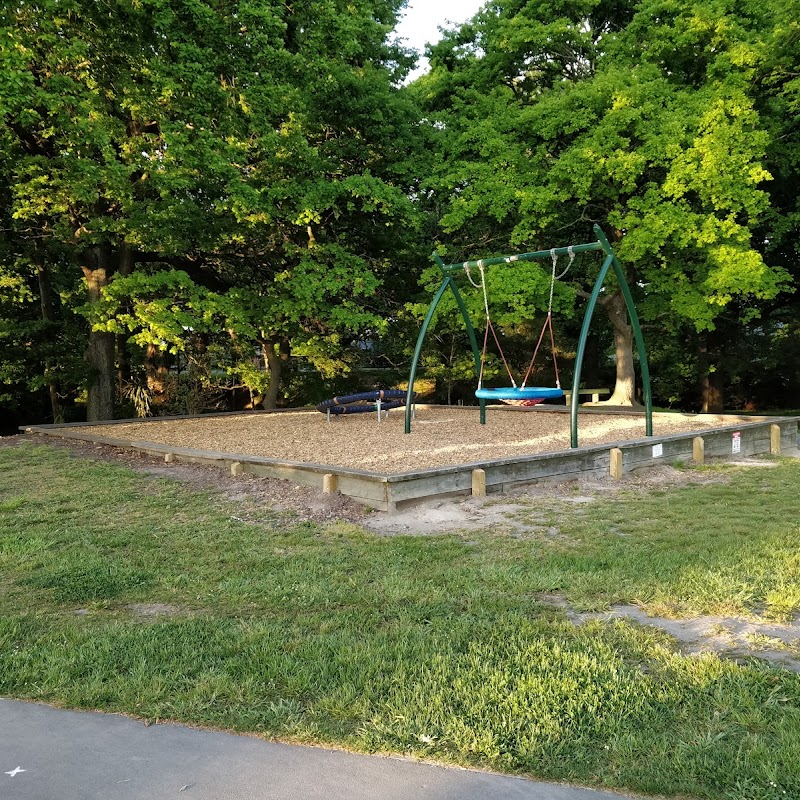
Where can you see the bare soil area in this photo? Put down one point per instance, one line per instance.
(730, 637)
(440, 436)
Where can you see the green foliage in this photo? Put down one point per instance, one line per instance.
(252, 172)
(577, 123)
(251, 161)
(669, 124)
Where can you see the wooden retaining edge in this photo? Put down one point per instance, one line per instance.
(386, 491)
(755, 438)
(361, 485)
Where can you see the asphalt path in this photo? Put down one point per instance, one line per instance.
(52, 754)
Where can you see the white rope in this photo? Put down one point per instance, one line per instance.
(554, 277)
(485, 295)
(481, 285)
(554, 256)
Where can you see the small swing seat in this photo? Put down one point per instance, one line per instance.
(513, 393)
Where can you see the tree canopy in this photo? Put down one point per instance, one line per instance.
(212, 192)
(648, 118)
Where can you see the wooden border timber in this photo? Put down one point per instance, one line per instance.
(387, 492)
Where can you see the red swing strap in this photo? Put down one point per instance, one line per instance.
(489, 326)
(548, 322)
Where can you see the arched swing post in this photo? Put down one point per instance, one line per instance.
(610, 260)
(446, 283)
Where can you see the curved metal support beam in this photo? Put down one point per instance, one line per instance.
(576, 377)
(473, 341)
(418, 349)
(611, 260)
(447, 282)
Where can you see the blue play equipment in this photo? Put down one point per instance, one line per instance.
(387, 399)
(519, 393)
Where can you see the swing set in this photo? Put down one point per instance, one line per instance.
(523, 392)
(528, 395)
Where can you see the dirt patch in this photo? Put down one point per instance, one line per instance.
(515, 513)
(439, 437)
(149, 610)
(447, 516)
(731, 637)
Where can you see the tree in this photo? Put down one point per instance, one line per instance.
(638, 117)
(254, 145)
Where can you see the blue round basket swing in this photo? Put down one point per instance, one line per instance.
(523, 394)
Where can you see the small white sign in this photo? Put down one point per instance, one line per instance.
(658, 450)
(736, 442)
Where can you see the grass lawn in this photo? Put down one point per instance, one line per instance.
(439, 646)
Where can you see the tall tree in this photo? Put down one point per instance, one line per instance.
(640, 117)
(252, 144)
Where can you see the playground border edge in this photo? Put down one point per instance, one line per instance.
(739, 436)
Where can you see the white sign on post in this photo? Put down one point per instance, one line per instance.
(736, 442)
(658, 450)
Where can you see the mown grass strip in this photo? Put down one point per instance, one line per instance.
(438, 646)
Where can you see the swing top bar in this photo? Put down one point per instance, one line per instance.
(539, 255)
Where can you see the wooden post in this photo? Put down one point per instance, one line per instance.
(615, 465)
(479, 483)
(237, 468)
(169, 458)
(775, 440)
(698, 449)
(329, 483)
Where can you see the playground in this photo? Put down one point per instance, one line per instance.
(356, 446)
(449, 448)
(442, 437)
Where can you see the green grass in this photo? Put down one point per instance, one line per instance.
(439, 646)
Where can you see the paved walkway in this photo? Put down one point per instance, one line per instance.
(50, 754)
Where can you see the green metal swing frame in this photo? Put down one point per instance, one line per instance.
(602, 244)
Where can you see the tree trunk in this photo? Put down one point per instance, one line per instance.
(276, 356)
(712, 388)
(157, 374)
(100, 350)
(625, 387)
(46, 301)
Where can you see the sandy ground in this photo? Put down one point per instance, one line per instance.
(439, 437)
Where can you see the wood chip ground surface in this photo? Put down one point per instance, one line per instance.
(439, 437)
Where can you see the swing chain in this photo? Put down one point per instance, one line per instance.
(571, 259)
